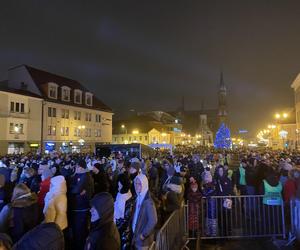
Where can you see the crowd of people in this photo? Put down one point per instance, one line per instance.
(84, 201)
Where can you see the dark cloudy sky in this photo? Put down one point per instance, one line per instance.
(147, 54)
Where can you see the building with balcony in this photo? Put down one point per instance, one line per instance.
(71, 118)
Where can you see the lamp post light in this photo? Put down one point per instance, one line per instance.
(124, 128)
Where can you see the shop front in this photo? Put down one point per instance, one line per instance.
(16, 148)
(49, 147)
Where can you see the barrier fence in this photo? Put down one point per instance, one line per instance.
(228, 217)
(295, 220)
(235, 217)
(172, 235)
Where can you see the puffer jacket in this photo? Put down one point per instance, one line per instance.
(55, 209)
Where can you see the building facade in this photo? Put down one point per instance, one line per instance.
(19, 113)
(155, 127)
(70, 118)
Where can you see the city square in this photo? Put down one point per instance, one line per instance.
(149, 125)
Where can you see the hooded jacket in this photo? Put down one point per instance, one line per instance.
(144, 220)
(104, 234)
(21, 214)
(47, 236)
(55, 209)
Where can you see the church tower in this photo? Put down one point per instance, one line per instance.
(222, 106)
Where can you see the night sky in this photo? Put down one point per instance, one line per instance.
(145, 55)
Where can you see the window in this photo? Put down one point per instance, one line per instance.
(97, 132)
(15, 128)
(115, 139)
(11, 128)
(88, 132)
(88, 99)
(51, 112)
(129, 138)
(122, 138)
(64, 131)
(146, 138)
(77, 115)
(141, 138)
(78, 96)
(65, 113)
(51, 130)
(52, 90)
(98, 118)
(65, 93)
(88, 117)
(22, 107)
(20, 128)
(17, 107)
(76, 132)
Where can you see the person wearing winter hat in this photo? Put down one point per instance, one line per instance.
(206, 177)
(103, 233)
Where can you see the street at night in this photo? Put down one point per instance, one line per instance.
(158, 125)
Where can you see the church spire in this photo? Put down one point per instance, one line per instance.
(222, 84)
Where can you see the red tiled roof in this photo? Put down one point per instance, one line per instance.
(41, 77)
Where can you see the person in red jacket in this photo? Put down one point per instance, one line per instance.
(46, 175)
(290, 186)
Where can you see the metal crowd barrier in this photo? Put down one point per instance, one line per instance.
(295, 220)
(172, 234)
(224, 217)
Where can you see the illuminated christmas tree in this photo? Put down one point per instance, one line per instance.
(223, 139)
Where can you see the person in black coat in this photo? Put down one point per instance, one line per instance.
(104, 234)
(46, 236)
(80, 193)
(101, 182)
(21, 215)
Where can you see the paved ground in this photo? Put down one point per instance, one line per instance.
(256, 244)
